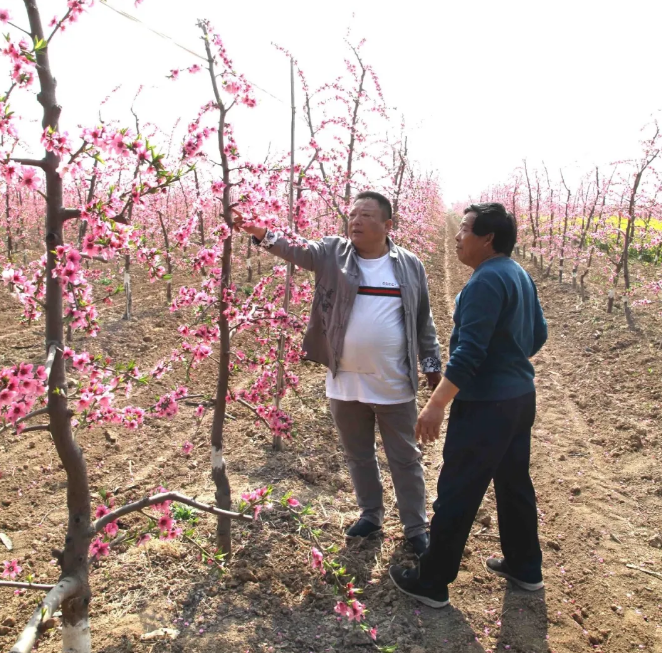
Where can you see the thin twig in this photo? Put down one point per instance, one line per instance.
(645, 571)
(209, 555)
(161, 498)
(25, 586)
(253, 408)
(34, 413)
(37, 427)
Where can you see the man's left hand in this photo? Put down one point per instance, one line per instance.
(434, 379)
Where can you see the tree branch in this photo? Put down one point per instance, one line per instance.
(37, 427)
(65, 589)
(34, 413)
(57, 27)
(70, 214)
(254, 409)
(25, 586)
(161, 498)
(37, 163)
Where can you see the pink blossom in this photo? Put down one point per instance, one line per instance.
(101, 511)
(112, 529)
(293, 502)
(24, 371)
(343, 609)
(187, 447)
(99, 548)
(29, 179)
(4, 16)
(318, 559)
(145, 537)
(165, 523)
(16, 412)
(358, 609)
(172, 534)
(12, 569)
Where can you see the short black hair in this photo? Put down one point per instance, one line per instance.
(383, 202)
(492, 218)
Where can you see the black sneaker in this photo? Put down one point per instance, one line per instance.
(362, 528)
(499, 567)
(419, 543)
(407, 581)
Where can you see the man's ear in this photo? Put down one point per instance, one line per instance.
(388, 225)
(489, 239)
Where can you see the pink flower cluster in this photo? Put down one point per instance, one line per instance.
(353, 610)
(20, 388)
(257, 500)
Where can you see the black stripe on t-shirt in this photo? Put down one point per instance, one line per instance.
(379, 292)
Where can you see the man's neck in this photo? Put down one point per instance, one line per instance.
(489, 258)
(376, 252)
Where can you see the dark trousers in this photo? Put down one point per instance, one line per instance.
(485, 440)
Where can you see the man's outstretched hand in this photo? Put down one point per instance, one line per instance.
(239, 224)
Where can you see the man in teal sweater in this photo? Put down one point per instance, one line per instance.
(499, 326)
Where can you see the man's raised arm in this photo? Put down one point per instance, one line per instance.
(306, 255)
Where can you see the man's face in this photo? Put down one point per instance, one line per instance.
(367, 227)
(471, 249)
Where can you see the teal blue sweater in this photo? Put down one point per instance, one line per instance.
(499, 326)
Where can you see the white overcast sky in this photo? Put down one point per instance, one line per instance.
(482, 83)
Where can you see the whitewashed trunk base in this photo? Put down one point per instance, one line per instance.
(77, 639)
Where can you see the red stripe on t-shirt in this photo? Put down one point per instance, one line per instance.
(379, 292)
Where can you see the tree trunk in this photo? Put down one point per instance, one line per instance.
(219, 468)
(168, 260)
(249, 260)
(127, 287)
(565, 230)
(352, 141)
(73, 559)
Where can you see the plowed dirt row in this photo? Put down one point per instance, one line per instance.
(595, 466)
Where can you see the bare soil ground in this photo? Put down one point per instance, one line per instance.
(596, 468)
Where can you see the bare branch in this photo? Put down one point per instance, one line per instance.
(70, 214)
(65, 589)
(19, 28)
(25, 586)
(36, 163)
(161, 498)
(34, 413)
(37, 427)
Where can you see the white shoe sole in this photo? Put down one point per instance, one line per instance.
(529, 587)
(422, 599)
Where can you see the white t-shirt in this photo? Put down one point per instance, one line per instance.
(373, 368)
